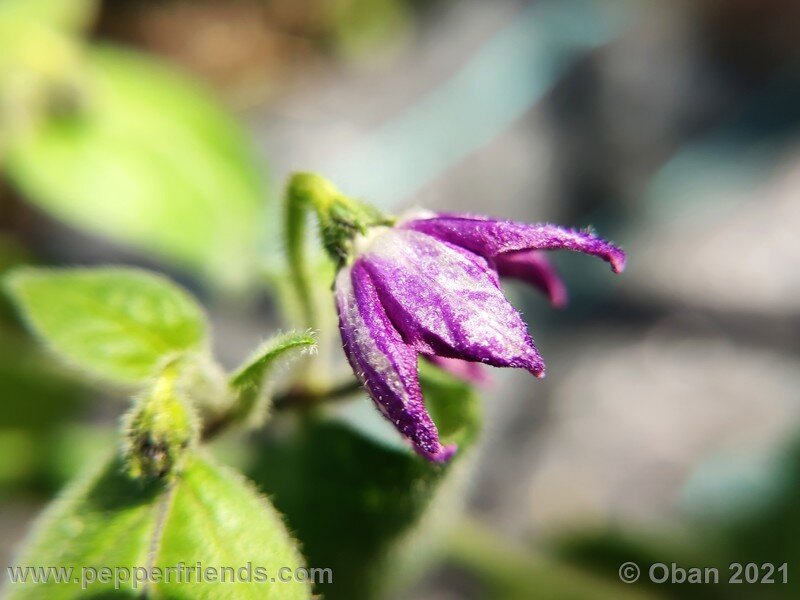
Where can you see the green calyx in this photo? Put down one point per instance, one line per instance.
(159, 429)
(340, 218)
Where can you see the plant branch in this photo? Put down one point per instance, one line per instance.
(295, 398)
(305, 398)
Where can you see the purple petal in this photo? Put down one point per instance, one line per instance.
(533, 267)
(384, 363)
(468, 371)
(491, 238)
(446, 301)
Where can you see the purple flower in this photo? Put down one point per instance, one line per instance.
(430, 286)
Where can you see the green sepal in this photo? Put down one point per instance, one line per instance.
(340, 218)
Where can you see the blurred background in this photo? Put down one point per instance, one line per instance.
(668, 428)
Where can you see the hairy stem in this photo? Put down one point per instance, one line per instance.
(295, 398)
(305, 192)
(304, 398)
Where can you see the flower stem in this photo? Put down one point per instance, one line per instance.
(302, 193)
(295, 398)
(304, 398)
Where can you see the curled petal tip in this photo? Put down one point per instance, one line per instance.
(491, 237)
(536, 368)
(441, 456)
(534, 268)
(617, 259)
(558, 295)
(610, 253)
(559, 301)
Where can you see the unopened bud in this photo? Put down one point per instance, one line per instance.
(158, 430)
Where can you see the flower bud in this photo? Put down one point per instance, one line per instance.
(158, 430)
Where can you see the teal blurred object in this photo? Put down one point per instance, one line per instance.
(741, 152)
(510, 74)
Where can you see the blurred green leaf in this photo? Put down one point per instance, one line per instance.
(148, 159)
(765, 533)
(40, 66)
(601, 552)
(12, 253)
(116, 323)
(373, 514)
(360, 27)
(506, 571)
(33, 393)
(37, 400)
(70, 15)
(22, 446)
(768, 533)
(453, 405)
(35, 404)
(248, 380)
(70, 448)
(209, 516)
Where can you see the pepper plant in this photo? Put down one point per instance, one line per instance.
(120, 146)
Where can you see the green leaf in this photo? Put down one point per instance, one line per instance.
(453, 405)
(149, 160)
(40, 67)
(372, 513)
(249, 380)
(70, 15)
(210, 515)
(115, 323)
